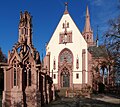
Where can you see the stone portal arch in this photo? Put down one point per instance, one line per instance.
(65, 68)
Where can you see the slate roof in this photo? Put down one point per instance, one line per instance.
(98, 52)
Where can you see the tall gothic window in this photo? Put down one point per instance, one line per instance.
(25, 76)
(15, 67)
(15, 77)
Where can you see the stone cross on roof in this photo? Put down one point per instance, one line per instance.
(66, 8)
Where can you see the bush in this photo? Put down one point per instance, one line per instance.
(86, 89)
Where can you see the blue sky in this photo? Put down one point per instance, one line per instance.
(46, 15)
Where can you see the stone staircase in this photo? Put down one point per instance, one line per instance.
(62, 92)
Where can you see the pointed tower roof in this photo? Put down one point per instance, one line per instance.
(87, 27)
(66, 8)
(97, 38)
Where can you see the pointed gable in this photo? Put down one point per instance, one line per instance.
(76, 34)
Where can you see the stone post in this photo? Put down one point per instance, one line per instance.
(53, 89)
(48, 98)
(44, 89)
(83, 66)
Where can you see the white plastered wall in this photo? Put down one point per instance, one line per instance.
(76, 48)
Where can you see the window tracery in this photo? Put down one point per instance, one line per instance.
(66, 56)
(15, 72)
(28, 73)
(65, 71)
(66, 36)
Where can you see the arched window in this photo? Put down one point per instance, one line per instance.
(15, 72)
(66, 55)
(87, 37)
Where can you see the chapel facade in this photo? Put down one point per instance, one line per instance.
(26, 83)
(73, 60)
(67, 56)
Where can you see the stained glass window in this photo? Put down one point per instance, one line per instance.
(66, 56)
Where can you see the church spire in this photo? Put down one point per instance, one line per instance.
(88, 33)
(66, 8)
(87, 27)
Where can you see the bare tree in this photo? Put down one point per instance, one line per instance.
(112, 43)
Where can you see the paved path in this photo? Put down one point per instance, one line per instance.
(95, 101)
(64, 102)
(107, 98)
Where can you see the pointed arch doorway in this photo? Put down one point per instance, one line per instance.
(65, 77)
(65, 67)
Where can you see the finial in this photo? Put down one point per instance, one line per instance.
(97, 36)
(87, 12)
(97, 32)
(66, 5)
(66, 8)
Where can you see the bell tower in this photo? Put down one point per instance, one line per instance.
(25, 28)
(88, 33)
